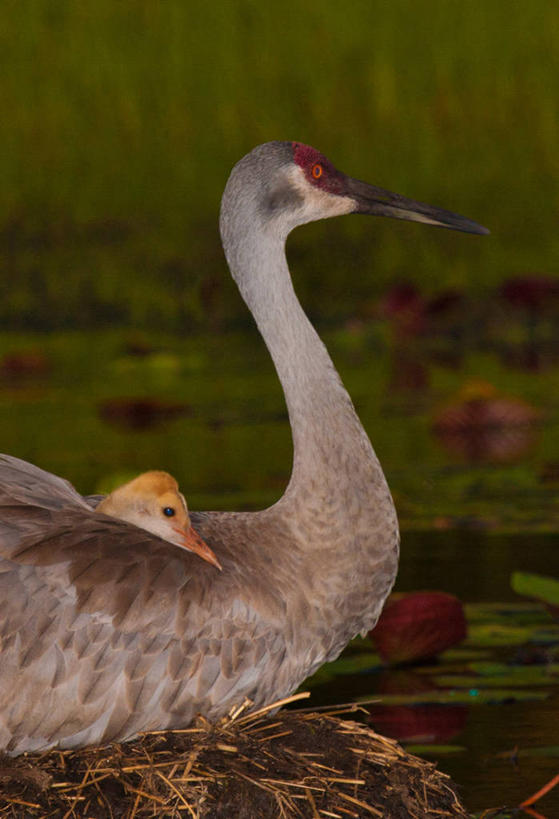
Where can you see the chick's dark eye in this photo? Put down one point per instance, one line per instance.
(317, 170)
(168, 511)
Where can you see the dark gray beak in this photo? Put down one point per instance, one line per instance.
(376, 201)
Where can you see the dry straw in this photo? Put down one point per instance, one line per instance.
(248, 766)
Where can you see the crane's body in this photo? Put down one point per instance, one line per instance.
(105, 630)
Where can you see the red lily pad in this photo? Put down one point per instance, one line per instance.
(418, 626)
(420, 723)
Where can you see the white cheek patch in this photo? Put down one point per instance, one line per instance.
(317, 203)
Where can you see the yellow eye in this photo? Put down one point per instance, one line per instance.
(317, 171)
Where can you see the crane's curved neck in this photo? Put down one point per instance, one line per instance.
(332, 452)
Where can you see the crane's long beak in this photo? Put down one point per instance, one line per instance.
(191, 540)
(373, 200)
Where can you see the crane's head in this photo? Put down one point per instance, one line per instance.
(324, 184)
(290, 183)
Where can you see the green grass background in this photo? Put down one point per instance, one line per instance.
(121, 122)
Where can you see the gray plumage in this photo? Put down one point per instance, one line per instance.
(106, 630)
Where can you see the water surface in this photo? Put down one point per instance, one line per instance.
(504, 750)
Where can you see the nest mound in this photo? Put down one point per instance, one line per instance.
(248, 766)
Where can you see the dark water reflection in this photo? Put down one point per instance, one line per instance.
(476, 566)
(498, 760)
(488, 773)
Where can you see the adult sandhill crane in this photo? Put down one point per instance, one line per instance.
(152, 501)
(107, 631)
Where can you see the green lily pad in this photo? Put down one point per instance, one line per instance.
(525, 672)
(353, 664)
(520, 612)
(497, 675)
(497, 634)
(538, 586)
(535, 585)
(347, 664)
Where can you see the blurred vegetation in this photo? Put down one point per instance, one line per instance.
(98, 407)
(121, 122)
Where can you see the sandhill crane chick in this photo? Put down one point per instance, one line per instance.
(152, 501)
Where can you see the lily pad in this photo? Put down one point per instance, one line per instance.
(355, 663)
(498, 634)
(524, 672)
(472, 680)
(347, 664)
(519, 612)
(536, 585)
(418, 625)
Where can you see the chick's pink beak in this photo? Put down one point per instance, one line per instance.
(191, 540)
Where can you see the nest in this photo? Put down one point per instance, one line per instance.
(248, 766)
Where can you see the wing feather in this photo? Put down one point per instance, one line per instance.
(106, 630)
